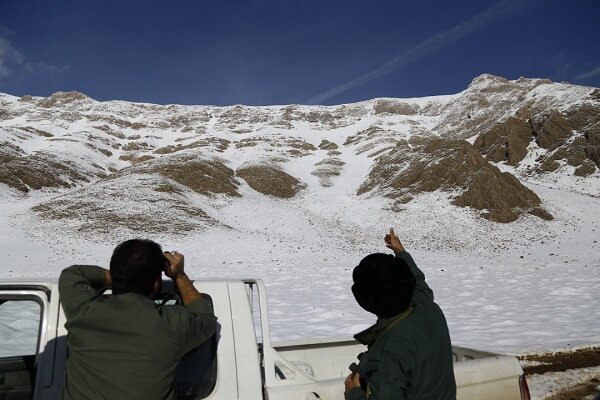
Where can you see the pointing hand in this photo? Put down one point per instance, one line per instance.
(393, 242)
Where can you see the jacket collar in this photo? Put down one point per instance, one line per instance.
(371, 334)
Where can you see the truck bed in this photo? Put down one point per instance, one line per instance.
(479, 374)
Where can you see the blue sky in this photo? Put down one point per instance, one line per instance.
(260, 52)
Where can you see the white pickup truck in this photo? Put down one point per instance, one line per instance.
(240, 362)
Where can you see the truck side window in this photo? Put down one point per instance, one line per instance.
(19, 327)
(19, 331)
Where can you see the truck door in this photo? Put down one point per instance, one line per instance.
(23, 318)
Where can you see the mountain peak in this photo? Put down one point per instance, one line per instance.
(64, 98)
(489, 80)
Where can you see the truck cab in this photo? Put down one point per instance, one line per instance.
(240, 362)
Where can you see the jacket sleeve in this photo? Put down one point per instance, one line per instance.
(194, 323)
(389, 381)
(355, 394)
(423, 292)
(78, 285)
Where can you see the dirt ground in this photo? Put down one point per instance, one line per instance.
(585, 390)
(568, 360)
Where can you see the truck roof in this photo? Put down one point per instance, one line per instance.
(50, 281)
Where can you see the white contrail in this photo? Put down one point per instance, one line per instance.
(495, 13)
(12, 61)
(9, 55)
(589, 74)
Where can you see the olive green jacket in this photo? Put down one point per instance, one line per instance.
(410, 356)
(125, 346)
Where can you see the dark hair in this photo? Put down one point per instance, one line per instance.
(383, 284)
(135, 265)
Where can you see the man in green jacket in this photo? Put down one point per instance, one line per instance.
(409, 351)
(124, 346)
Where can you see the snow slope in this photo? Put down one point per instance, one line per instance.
(522, 286)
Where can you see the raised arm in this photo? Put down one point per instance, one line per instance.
(422, 291)
(78, 284)
(199, 323)
(175, 271)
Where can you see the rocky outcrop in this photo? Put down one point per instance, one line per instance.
(456, 167)
(327, 169)
(233, 118)
(208, 177)
(327, 145)
(571, 138)
(533, 127)
(134, 203)
(324, 117)
(271, 181)
(372, 140)
(217, 144)
(487, 100)
(506, 141)
(25, 172)
(62, 98)
(395, 107)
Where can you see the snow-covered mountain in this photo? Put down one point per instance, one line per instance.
(100, 167)
(495, 191)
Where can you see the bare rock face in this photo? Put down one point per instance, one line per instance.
(506, 141)
(323, 117)
(552, 130)
(571, 137)
(395, 107)
(299, 148)
(502, 196)
(205, 176)
(271, 181)
(451, 165)
(232, 117)
(218, 144)
(586, 120)
(153, 196)
(136, 203)
(62, 98)
(327, 145)
(487, 99)
(373, 140)
(24, 172)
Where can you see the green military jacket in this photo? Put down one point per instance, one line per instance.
(125, 346)
(409, 356)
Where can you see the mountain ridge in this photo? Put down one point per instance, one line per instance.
(148, 168)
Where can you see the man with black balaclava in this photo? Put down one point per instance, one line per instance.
(409, 352)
